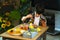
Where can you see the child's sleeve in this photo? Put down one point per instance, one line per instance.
(43, 17)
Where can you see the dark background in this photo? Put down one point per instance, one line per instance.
(48, 4)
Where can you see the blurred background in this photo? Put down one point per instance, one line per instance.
(20, 8)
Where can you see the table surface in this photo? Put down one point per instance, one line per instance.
(6, 35)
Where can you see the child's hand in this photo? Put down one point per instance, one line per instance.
(35, 26)
(43, 23)
(23, 18)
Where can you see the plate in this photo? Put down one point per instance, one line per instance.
(13, 33)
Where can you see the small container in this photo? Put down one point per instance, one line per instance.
(29, 34)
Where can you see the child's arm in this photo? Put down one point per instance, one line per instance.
(43, 22)
(28, 16)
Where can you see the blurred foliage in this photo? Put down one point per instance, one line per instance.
(23, 1)
(15, 15)
(5, 24)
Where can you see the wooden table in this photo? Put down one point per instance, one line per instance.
(43, 32)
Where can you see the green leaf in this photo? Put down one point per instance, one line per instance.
(0, 28)
(15, 15)
(23, 1)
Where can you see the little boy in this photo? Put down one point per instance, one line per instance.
(37, 17)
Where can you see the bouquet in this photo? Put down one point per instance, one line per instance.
(5, 24)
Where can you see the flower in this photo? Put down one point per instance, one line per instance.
(4, 21)
(3, 25)
(8, 23)
(7, 13)
(0, 19)
(6, 18)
